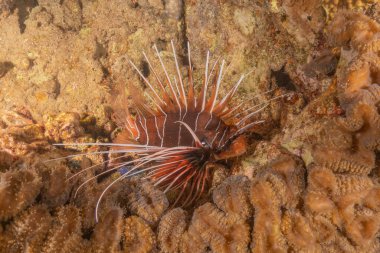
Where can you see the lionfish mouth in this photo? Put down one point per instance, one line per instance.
(179, 135)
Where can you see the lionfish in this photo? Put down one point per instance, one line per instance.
(183, 132)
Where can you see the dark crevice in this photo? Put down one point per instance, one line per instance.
(144, 66)
(283, 80)
(24, 8)
(87, 233)
(105, 71)
(283, 17)
(161, 44)
(5, 67)
(80, 5)
(102, 177)
(134, 4)
(184, 38)
(100, 51)
(376, 170)
(6, 222)
(57, 88)
(163, 3)
(38, 198)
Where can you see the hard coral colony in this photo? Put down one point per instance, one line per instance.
(178, 139)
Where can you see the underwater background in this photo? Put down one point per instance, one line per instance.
(309, 181)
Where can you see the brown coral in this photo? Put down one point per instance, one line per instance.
(86, 199)
(361, 162)
(221, 232)
(299, 233)
(18, 189)
(372, 199)
(147, 202)
(56, 188)
(222, 227)
(108, 232)
(6, 160)
(354, 29)
(363, 229)
(65, 235)
(231, 197)
(170, 230)
(338, 200)
(139, 237)
(28, 231)
(267, 201)
(339, 212)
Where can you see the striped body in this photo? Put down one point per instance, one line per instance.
(164, 132)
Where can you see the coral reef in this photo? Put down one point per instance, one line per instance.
(28, 231)
(171, 229)
(303, 21)
(214, 229)
(21, 140)
(309, 183)
(107, 234)
(276, 189)
(139, 236)
(341, 162)
(222, 226)
(65, 234)
(55, 191)
(19, 188)
(147, 202)
(64, 126)
(332, 7)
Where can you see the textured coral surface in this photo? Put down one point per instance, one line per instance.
(308, 183)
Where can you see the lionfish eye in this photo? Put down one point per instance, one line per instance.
(205, 143)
